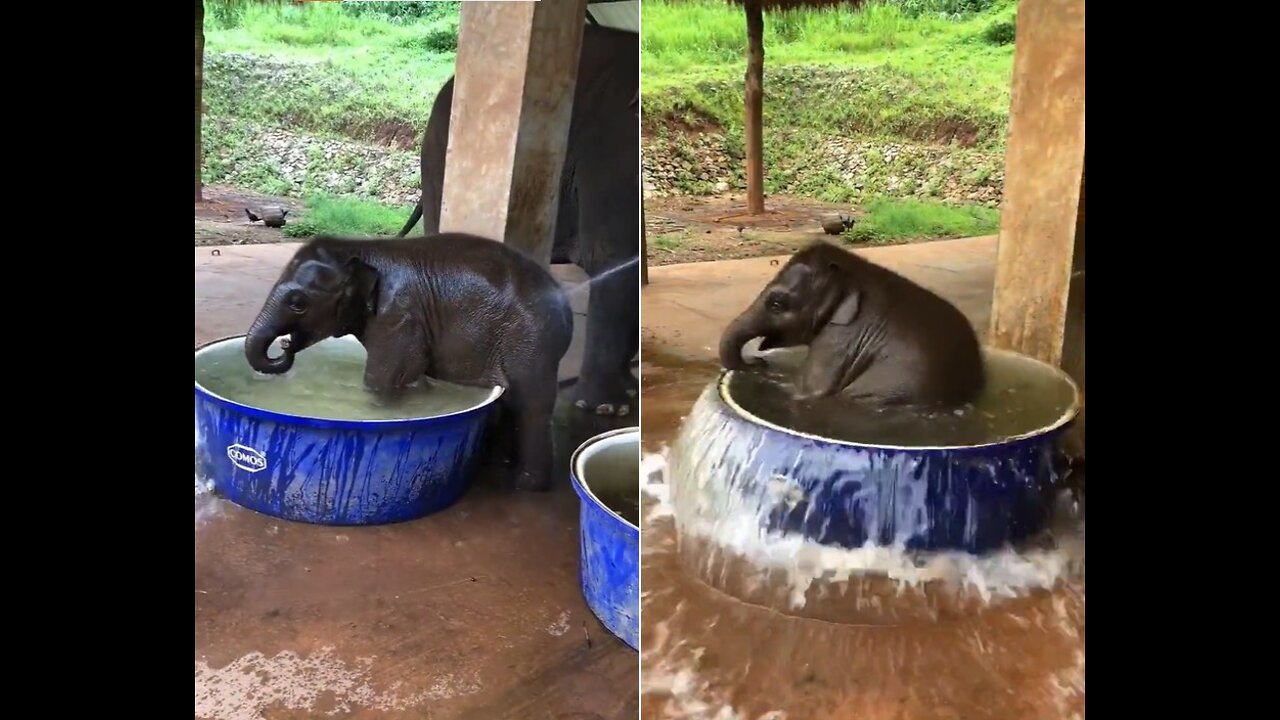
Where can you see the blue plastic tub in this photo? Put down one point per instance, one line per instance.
(334, 472)
(609, 464)
(975, 498)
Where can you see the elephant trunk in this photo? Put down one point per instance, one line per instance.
(739, 333)
(258, 342)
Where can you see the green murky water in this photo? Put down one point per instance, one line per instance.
(326, 381)
(1021, 396)
(613, 474)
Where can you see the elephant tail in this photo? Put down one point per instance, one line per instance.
(414, 217)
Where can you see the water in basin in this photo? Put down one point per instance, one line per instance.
(1021, 396)
(612, 472)
(326, 381)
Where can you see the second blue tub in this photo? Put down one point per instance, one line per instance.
(606, 469)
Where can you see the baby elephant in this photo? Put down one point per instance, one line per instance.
(456, 307)
(876, 333)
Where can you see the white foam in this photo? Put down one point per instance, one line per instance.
(653, 467)
(560, 626)
(320, 684)
(686, 695)
(1007, 572)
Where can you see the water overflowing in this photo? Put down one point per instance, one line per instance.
(326, 381)
(743, 620)
(1019, 397)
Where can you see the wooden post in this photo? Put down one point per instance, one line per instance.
(199, 93)
(517, 66)
(1039, 292)
(752, 122)
(644, 244)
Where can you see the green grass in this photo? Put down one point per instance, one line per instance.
(348, 217)
(328, 69)
(888, 221)
(895, 69)
(671, 241)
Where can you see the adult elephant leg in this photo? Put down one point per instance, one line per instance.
(435, 142)
(608, 237)
(605, 384)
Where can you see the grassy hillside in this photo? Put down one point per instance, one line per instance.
(326, 102)
(904, 100)
(900, 98)
(906, 69)
(329, 69)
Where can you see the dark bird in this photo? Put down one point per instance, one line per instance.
(836, 224)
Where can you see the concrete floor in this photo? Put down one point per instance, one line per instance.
(685, 307)
(473, 613)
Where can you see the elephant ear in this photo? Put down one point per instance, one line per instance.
(847, 310)
(359, 293)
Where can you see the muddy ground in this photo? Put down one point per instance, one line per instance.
(221, 218)
(680, 230)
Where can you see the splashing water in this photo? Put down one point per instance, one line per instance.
(743, 622)
(326, 381)
(633, 262)
(735, 542)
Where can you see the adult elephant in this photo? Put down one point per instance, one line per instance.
(598, 221)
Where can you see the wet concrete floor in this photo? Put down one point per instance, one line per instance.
(706, 655)
(474, 613)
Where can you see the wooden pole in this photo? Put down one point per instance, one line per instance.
(1039, 292)
(517, 67)
(199, 94)
(644, 246)
(752, 122)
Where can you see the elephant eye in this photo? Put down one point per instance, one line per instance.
(777, 302)
(298, 303)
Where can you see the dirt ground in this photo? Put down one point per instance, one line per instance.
(680, 230)
(702, 229)
(221, 220)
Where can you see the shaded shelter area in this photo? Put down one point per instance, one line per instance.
(473, 613)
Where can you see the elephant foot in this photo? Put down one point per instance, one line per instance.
(620, 410)
(612, 398)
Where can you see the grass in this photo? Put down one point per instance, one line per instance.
(328, 69)
(328, 215)
(889, 221)
(670, 241)
(889, 69)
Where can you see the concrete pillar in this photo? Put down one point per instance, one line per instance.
(517, 66)
(1039, 292)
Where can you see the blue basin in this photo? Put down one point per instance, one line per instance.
(332, 471)
(728, 461)
(608, 466)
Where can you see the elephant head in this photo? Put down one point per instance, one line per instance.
(811, 291)
(321, 294)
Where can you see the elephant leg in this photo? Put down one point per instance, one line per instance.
(605, 383)
(608, 248)
(435, 143)
(831, 366)
(503, 444)
(534, 402)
